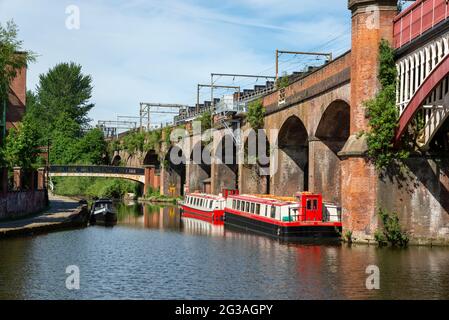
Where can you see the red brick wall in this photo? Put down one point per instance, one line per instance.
(317, 79)
(17, 100)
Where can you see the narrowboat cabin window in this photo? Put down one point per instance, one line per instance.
(258, 209)
(247, 206)
(211, 204)
(273, 212)
(252, 207)
(233, 204)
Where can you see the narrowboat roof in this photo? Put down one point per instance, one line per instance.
(205, 196)
(265, 199)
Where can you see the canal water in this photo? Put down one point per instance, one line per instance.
(153, 254)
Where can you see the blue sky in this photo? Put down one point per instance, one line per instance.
(157, 51)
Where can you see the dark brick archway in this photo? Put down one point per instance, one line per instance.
(199, 168)
(330, 137)
(225, 165)
(293, 158)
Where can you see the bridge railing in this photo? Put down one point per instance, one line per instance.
(96, 169)
(420, 17)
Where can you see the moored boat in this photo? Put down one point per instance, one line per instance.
(204, 206)
(102, 212)
(302, 216)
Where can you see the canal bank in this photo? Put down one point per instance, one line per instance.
(63, 213)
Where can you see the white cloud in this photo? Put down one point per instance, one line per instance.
(158, 50)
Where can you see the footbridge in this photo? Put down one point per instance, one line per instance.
(129, 173)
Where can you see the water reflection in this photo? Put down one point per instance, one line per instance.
(138, 259)
(150, 216)
(199, 227)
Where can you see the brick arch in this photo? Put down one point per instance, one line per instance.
(334, 124)
(225, 163)
(151, 158)
(291, 174)
(330, 136)
(199, 168)
(116, 160)
(255, 171)
(175, 171)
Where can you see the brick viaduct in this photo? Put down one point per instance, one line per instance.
(319, 148)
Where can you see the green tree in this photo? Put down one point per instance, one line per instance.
(21, 147)
(64, 139)
(91, 148)
(12, 60)
(64, 89)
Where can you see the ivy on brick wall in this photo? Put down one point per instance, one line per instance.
(383, 114)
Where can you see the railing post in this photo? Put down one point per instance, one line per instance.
(17, 178)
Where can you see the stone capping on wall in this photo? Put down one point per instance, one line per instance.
(326, 78)
(320, 88)
(357, 5)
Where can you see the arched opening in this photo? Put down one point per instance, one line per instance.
(255, 175)
(226, 167)
(117, 160)
(152, 159)
(331, 135)
(200, 169)
(175, 172)
(292, 173)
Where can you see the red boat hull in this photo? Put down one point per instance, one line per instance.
(283, 230)
(215, 216)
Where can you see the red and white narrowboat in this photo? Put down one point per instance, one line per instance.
(302, 216)
(204, 207)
